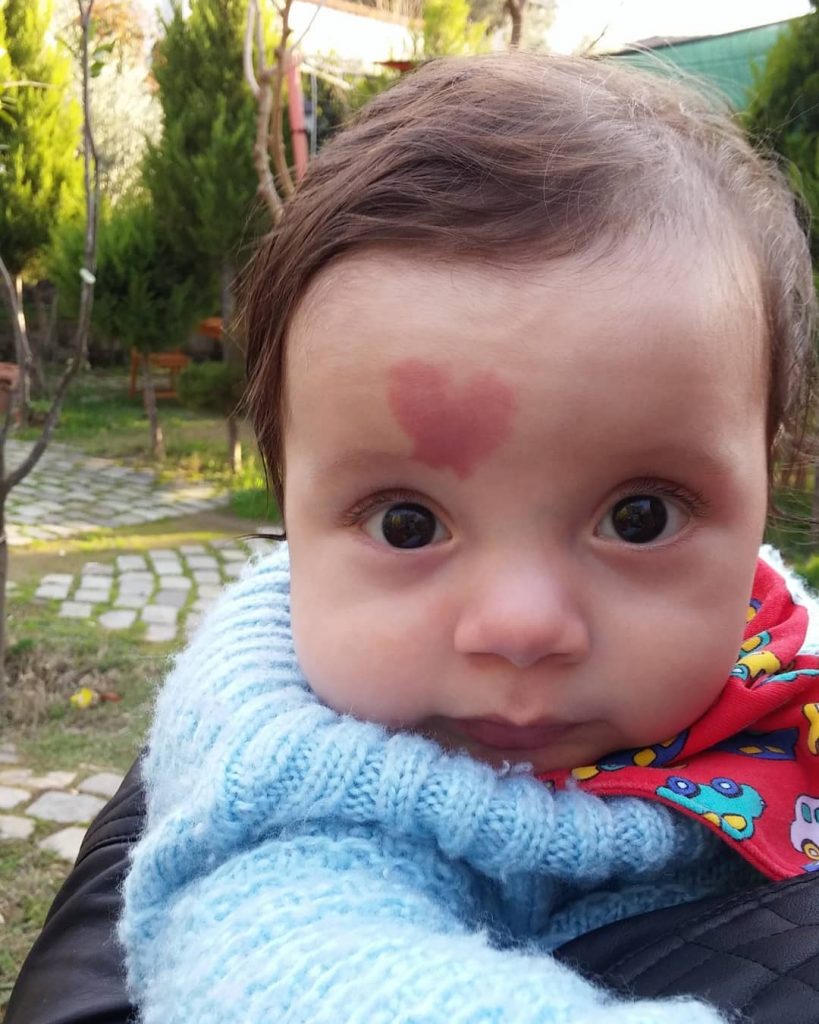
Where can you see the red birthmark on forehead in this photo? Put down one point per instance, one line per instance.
(453, 426)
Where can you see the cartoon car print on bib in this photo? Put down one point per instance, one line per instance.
(755, 659)
(777, 745)
(805, 829)
(725, 803)
(656, 756)
(811, 712)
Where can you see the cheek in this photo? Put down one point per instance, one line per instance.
(677, 670)
(366, 657)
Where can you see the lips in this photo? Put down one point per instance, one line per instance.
(500, 734)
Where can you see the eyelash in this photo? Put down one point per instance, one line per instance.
(696, 504)
(383, 499)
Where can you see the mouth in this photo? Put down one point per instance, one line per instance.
(500, 734)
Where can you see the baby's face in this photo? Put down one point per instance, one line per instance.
(524, 508)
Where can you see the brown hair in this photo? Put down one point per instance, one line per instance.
(524, 157)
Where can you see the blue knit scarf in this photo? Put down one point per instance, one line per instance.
(302, 866)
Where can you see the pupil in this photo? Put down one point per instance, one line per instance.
(408, 526)
(640, 518)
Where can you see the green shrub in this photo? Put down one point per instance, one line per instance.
(211, 387)
(809, 570)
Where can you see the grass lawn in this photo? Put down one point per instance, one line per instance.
(49, 658)
(99, 417)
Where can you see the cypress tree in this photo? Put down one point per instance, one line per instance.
(784, 110)
(200, 174)
(784, 114)
(40, 165)
(143, 298)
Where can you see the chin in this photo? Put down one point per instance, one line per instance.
(534, 762)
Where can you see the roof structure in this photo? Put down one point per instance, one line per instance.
(724, 62)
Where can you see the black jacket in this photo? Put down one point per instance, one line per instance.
(757, 953)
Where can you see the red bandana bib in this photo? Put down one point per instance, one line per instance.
(749, 767)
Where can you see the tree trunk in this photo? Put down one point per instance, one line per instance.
(46, 333)
(39, 352)
(231, 353)
(516, 9)
(149, 397)
(234, 445)
(24, 388)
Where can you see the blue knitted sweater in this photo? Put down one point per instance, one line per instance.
(302, 866)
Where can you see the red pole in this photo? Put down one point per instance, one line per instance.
(298, 128)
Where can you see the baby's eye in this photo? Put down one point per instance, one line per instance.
(642, 519)
(405, 525)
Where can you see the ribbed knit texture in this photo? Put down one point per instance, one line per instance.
(302, 866)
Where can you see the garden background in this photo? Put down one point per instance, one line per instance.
(141, 491)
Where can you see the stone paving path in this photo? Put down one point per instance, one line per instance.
(67, 801)
(69, 492)
(165, 589)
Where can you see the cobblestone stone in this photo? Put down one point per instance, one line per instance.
(161, 615)
(158, 634)
(68, 494)
(166, 589)
(26, 777)
(66, 843)
(171, 582)
(171, 598)
(75, 610)
(118, 619)
(102, 784)
(54, 805)
(11, 796)
(12, 827)
(131, 601)
(70, 808)
(95, 581)
(99, 568)
(207, 576)
(53, 591)
(91, 596)
(202, 562)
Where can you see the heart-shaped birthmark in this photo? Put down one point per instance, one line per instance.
(452, 427)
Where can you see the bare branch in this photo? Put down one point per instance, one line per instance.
(261, 154)
(13, 290)
(18, 326)
(247, 50)
(260, 80)
(588, 48)
(10, 293)
(326, 76)
(260, 44)
(27, 82)
(297, 43)
(276, 139)
(92, 189)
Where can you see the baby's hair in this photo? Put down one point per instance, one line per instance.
(515, 158)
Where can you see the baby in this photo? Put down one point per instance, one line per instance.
(522, 353)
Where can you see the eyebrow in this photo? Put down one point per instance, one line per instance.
(710, 460)
(362, 458)
(713, 462)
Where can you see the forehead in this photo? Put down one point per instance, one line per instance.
(673, 316)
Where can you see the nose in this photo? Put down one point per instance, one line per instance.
(523, 613)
